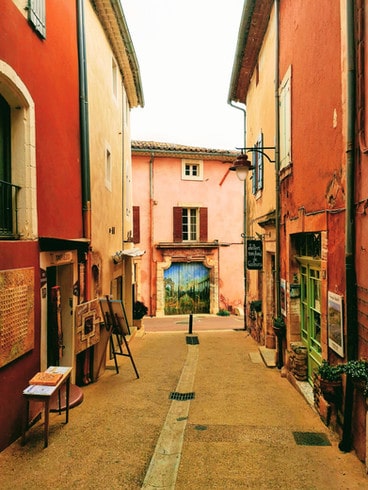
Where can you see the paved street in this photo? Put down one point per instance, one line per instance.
(241, 425)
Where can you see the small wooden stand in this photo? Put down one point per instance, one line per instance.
(43, 394)
(116, 323)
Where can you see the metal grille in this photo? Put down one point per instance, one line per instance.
(174, 395)
(311, 439)
(192, 340)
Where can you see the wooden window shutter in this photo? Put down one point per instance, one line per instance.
(37, 16)
(203, 224)
(260, 163)
(254, 173)
(136, 225)
(177, 224)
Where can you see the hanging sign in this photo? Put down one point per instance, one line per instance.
(254, 254)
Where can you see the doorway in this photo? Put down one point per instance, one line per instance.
(187, 288)
(58, 304)
(310, 273)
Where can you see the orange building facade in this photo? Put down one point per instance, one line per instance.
(320, 191)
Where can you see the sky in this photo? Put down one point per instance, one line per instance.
(185, 51)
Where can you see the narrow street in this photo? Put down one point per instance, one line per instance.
(241, 425)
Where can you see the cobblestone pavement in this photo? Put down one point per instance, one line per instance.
(242, 425)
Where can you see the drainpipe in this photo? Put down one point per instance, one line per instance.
(350, 294)
(281, 335)
(84, 129)
(277, 163)
(153, 306)
(244, 234)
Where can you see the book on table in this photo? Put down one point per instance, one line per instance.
(46, 379)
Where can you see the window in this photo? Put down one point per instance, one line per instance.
(108, 169)
(285, 120)
(192, 170)
(18, 203)
(257, 163)
(6, 188)
(114, 72)
(190, 224)
(37, 16)
(136, 225)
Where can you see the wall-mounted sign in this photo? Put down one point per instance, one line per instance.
(254, 254)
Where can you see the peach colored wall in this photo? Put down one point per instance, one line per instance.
(225, 210)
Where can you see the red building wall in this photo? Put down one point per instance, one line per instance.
(317, 150)
(49, 70)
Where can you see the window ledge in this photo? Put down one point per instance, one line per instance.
(214, 244)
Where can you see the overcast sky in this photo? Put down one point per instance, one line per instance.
(185, 50)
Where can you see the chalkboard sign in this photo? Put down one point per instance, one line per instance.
(254, 254)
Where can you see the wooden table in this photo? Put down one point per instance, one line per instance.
(43, 394)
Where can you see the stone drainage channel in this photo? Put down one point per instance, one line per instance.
(163, 468)
(164, 465)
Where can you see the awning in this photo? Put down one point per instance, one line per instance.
(130, 252)
(52, 244)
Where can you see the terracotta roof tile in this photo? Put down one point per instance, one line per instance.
(174, 149)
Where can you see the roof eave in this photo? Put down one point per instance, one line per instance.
(253, 25)
(111, 16)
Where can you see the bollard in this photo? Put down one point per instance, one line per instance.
(190, 323)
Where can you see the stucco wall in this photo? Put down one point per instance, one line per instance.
(222, 196)
(106, 137)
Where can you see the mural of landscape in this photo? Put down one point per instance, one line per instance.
(187, 289)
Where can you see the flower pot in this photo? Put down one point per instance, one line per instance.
(330, 389)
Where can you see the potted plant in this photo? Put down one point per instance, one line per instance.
(254, 308)
(279, 326)
(139, 311)
(358, 370)
(330, 379)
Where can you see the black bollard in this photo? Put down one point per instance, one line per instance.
(190, 323)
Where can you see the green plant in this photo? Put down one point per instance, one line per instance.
(279, 322)
(329, 372)
(139, 310)
(358, 370)
(256, 305)
(223, 312)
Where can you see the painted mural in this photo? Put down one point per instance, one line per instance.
(187, 288)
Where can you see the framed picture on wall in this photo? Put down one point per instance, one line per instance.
(283, 296)
(335, 323)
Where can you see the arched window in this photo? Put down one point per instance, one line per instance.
(7, 192)
(18, 213)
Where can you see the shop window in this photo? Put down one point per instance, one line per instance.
(308, 245)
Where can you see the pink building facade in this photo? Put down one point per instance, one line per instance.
(188, 219)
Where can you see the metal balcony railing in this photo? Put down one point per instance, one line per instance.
(8, 210)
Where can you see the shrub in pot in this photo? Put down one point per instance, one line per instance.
(139, 310)
(330, 379)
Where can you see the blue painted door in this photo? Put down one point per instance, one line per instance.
(187, 288)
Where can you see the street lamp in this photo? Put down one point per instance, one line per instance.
(242, 166)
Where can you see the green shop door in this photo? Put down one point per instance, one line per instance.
(187, 288)
(311, 315)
